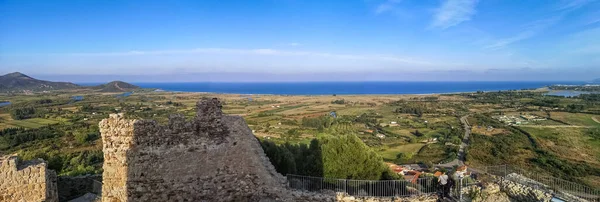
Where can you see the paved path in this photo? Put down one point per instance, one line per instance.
(465, 143)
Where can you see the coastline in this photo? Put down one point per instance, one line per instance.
(154, 90)
(349, 88)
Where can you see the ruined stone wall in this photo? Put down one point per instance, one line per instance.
(211, 158)
(27, 181)
(73, 187)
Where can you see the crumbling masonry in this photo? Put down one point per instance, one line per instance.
(211, 158)
(26, 181)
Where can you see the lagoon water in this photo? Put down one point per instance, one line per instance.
(567, 93)
(2, 104)
(345, 88)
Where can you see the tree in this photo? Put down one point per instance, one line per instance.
(23, 113)
(418, 134)
(343, 156)
(347, 157)
(292, 133)
(403, 157)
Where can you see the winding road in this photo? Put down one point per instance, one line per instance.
(465, 143)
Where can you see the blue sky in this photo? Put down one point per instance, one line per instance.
(303, 40)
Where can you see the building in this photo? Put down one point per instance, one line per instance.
(381, 136)
(396, 168)
(462, 171)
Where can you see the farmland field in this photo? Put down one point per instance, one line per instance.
(399, 128)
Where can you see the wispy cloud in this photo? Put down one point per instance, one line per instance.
(528, 31)
(592, 19)
(386, 6)
(572, 4)
(261, 51)
(534, 28)
(454, 12)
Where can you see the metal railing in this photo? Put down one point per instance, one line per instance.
(365, 188)
(559, 187)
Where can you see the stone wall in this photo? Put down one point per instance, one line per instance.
(211, 158)
(73, 187)
(27, 181)
(505, 191)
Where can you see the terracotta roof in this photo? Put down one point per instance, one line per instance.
(413, 172)
(414, 180)
(461, 168)
(437, 173)
(394, 167)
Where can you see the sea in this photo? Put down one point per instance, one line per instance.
(347, 88)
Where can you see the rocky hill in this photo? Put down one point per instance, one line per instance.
(20, 82)
(116, 86)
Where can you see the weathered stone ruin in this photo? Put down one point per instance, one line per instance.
(26, 181)
(211, 158)
(70, 188)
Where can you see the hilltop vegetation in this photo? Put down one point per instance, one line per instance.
(116, 86)
(17, 82)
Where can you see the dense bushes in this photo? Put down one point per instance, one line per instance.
(546, 102)
(12, 137)
(497, 150)
(590, 97)
(406, 110)
(343, 157)
(295, 158)
(341, 102)
(347, 157)
(563, 168)
(575, 108)
(22, 113)
(70, 164)
(322, 121)
(85, 136)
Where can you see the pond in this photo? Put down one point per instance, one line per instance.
(127, 94)
(2, 103)
(77, 98)
(568, 93)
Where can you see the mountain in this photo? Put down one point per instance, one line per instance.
(116, 86)
(596, 81)
(17, 82)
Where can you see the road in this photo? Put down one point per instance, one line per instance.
(596, 120)
(465, 143)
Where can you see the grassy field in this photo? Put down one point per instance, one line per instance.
(568, 143)
(8, 122)
(575, 118)
(389, 151)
